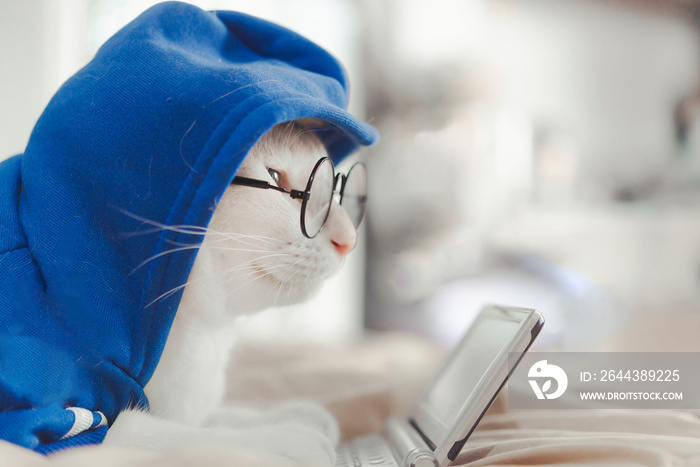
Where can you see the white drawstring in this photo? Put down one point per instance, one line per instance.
(84, 420)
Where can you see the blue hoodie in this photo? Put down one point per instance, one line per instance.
(154, 127)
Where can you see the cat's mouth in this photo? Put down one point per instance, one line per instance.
(269, 276)
(299, 277)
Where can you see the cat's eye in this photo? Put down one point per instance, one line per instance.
(275, 174)
(316, 199)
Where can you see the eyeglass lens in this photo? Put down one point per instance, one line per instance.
(354, 197)
(320, 197)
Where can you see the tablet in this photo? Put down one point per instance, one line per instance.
(461, 391)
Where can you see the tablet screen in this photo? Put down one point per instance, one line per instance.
(488, 337)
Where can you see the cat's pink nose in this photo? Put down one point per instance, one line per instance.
(343, 248)
(341, 232)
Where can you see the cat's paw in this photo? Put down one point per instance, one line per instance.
(300, 443)
(311, 414)
(300, 412)
(289, 439)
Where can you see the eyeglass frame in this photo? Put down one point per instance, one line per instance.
(305, 194)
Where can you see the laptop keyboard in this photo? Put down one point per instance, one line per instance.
(365, 451)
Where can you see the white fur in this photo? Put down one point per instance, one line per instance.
(253, 256)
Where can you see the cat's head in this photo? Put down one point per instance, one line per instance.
(255, 255)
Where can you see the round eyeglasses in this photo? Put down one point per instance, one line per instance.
(323, 185)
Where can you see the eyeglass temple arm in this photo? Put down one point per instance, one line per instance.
(254, 183)
(340, 179)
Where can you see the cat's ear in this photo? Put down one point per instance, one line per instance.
(340, 230)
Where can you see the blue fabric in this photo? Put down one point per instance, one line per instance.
(154, 127)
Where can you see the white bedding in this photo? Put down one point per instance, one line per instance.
(365, 383)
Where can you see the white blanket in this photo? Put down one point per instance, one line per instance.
(365, 383)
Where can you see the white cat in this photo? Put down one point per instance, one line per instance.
(253, 256)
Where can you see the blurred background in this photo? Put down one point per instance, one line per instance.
(537, 153)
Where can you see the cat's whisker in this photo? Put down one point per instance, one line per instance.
(279, 289)
(183, 229)
(269, 270)
(193, 229)
(162, 253)
(268, 253)
(249, 282)
(179, 287)
(166, 295)
(201, 231)
(249, 267)
(250, 240)
(193, 247)
(308, 274)
(289, 279)
(239, 236)
(242, 240)
(190, 230)
(246, 265)
(284, 282)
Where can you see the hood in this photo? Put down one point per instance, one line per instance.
(150, 132)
